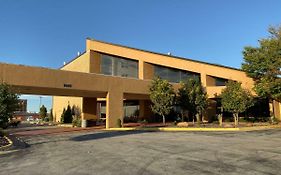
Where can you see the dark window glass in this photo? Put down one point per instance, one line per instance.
(220, 81)
(174, 75)
(116, 66)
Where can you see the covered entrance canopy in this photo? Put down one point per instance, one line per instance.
(89, 86)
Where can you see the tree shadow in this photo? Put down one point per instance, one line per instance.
(103, 135)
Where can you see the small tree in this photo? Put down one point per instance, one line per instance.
(235, 99)
(43, 112)
(183, 99)
(8, 104)
(192, 97)
(76, 116)
(201, 99)
(62, 116)
(162, 96)
(67, 115)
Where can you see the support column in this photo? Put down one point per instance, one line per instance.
(275, 109)
(203, 78)
(89, 108)
(146, 70)
(114, 109)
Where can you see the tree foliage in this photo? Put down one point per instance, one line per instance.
(66, 116)
(43, 112)
(263, 64)
(76, 116)
(235, 99)
(8, 104)
(162, 96)
(183, 99)
(192, 97)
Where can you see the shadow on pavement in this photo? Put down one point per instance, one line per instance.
(102, 135)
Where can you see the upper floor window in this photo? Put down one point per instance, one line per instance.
(174, 75)
(220, 81)
(116, 66)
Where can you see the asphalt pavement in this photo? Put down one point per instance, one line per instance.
(138, 152)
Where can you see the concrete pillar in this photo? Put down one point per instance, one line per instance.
(275, 109)
(203, 78)
(89, 108)
(141, 69)
(114, 108)
(146, 70)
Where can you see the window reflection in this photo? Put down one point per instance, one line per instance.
(116, 66)
(174, 75)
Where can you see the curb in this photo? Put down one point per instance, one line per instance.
(7, 146)
(66, 125)
(195, 129)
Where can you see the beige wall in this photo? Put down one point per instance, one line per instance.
(95, 62)
(82, 75)
(61, 102)
(89, 108)
(79, 64)
(169, 61)
(277, 109)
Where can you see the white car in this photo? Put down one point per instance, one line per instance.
(29, 119)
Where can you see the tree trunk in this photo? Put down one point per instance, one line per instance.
(164, 122)
(235, 115)
(193, 119)
(182, 116)
(220, 119)
(198, 119)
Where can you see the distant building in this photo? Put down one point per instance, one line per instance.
(22, 105)
(22, 114)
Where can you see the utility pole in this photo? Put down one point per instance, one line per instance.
(40, 101)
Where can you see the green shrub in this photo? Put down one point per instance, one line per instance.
(130, 119)
(273, 120)
(14, 123)
(143, 121)
(3, 133)
(228, 120)
(77, 122)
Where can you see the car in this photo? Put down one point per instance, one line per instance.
(29, 118)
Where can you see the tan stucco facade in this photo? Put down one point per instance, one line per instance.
(81, 83)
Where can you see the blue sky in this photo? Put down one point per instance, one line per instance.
(48, 32)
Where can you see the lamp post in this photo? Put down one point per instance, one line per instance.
(40, 101)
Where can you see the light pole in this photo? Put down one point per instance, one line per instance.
(40, 101)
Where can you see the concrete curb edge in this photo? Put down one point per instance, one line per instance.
(195, 129)
(9, 145)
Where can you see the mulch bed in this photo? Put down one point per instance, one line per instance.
(202, 125)
(3, 141)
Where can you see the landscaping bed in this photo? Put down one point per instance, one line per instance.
(3, 141)
(202, 125)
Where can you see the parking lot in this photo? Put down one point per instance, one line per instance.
(136, 152)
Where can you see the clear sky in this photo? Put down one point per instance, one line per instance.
(48, 32)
